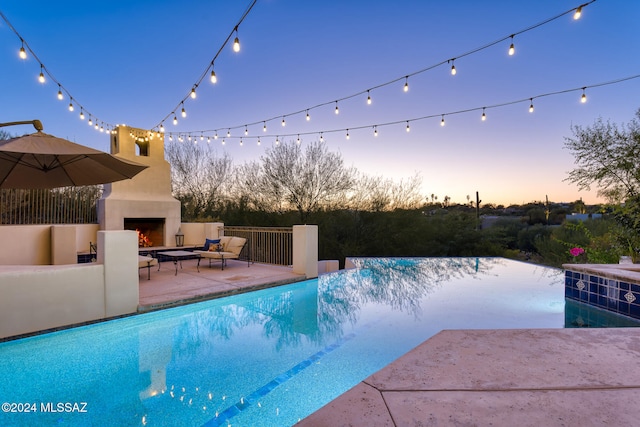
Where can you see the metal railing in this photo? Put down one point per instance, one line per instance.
(268, 245)
(68, 205)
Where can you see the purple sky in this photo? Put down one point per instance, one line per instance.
(133, 62)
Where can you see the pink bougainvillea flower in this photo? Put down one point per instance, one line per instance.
(576, 251)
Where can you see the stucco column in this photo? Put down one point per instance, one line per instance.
(118, 251)
(305, 250)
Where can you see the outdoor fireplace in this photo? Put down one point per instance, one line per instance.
(144, 202)
(150, 230)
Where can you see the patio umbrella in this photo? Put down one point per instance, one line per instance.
(40, 160)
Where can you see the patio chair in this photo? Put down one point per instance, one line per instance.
(147, 262)
(227, 247)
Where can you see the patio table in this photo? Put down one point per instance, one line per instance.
(176, 256)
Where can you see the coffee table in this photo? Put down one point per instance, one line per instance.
(176, 256)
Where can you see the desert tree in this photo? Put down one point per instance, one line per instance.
(308, 179)
(198, 177)
(607, 156)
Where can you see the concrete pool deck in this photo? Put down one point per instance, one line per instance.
(532, 377)
(167, 289)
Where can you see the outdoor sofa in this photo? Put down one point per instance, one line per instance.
(224, 248)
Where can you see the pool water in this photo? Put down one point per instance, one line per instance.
(270, 357)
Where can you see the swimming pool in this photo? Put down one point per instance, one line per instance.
(270, 357)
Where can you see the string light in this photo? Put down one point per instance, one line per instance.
(375, 131)
(442, 121)
(241, 142)
(215, 136)
(512, 48)
(208, 140)
(175, 120)
(368, 98)
(578, 13)
(484, 116)
(70, 104)
(298, 140)
(22, 53)
(308, 116)
(277, 141)
(246, 131)
(214, 78)
(236, 42)
(258, 140)
(406, 84)
(81, 114)
(264, 127)
(193, 93)
(453, 68)
(228, 133)
(201, 137)
(41, 76)
(90, 121)
(531, 105)
(408, 128)
(60, 97)
(184, 112)
(283, 122)
(347, 133)
(162, 127)
(337, 110)
(321, 137)
(583, 98)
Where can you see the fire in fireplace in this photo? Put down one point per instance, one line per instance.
(150, 230)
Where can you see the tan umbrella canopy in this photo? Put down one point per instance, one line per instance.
(39, 160)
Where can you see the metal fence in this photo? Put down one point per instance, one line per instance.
(67, 205)
(268, 245)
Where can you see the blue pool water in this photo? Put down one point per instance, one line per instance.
(271, 357)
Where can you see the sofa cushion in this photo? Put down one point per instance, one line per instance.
(208, 242)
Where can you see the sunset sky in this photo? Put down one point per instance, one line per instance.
(133, 62)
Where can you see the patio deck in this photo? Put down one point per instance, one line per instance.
(168, 289)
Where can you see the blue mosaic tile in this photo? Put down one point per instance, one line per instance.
(635, 288)
(593, 298)
(624, 285)
(634, 310)
(594, 287)
(602, 301)
(623, 307)
(612, 304)
(602, 289)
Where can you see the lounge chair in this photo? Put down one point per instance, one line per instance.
(227, 247)
(147, 262)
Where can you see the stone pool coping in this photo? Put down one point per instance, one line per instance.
(523, 377)
(622, 272)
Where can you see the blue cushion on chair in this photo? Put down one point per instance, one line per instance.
(208, 242)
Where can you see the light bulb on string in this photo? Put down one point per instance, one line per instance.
(223, 141)
(453, 68)
(201, 136)
(375, 131)
(277, 140)
(406, 84)
(264, 126)
(308, 116)
(246, 131)
(22, 53)
(228, 133)
(162, 127)
(578, 13)
(184, 112)
(531, 105)
(216, 135)
(583, 98)
(484, 116)
(442, 121)
(70, 104)
(208, 140)
(347, 133)
(175, 120)
(321, 137)
(60, 97)
(368, 98)
(298, 140)
(236, 42)
(241, 142)
(283, 122)
(337, 110)
(408, 127)
(90, 121)
(214, 78)
(81, 114)
(41, 78)
(96, 126)
(258, 140)
(102, 127)
(512, 48)
(193, 93)
(170, 137)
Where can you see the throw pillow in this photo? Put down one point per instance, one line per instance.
(208, 242)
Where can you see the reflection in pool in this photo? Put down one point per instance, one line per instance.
(271, 357)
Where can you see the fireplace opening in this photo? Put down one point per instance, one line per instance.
(150, 230)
